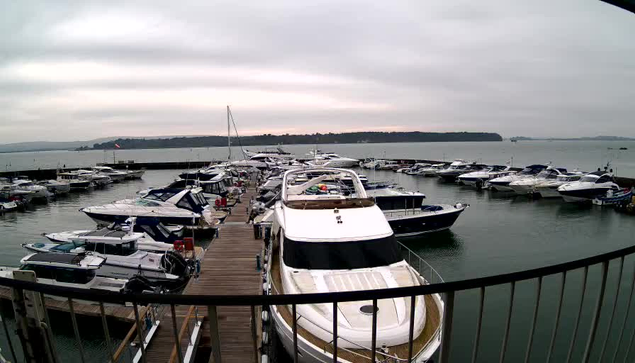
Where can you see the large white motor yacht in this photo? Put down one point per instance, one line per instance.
(324, 242)
(549, 188)
(501, 184)
(480, 177)
(332, 160)
(527, 185)
(115, 175)
(590, 186)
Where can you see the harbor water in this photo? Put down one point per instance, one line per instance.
(498, 233)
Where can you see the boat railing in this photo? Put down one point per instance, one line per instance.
(588, 318)
(429, 274)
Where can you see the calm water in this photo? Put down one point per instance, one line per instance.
(584, 155)
(498, 233)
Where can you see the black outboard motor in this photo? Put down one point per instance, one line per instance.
(139, 284)
(175, 264)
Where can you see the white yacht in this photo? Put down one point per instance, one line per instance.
(527, 185)
(115, 175)
(77, 181)
(331, 160)
(549, 188)
(335, 243)
(35, 191)
(122, 258)
(7, 205)
(590, 186)
(432, 170)
(77, 271)
(480, 177)
(185, 207)
(457, 168)
(501, 184)
(56, 187)
(98, 180)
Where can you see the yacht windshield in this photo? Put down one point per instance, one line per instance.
(589, 179)
(341, 255)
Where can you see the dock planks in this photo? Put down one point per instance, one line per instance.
(227, 268)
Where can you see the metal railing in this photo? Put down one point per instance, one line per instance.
(612, 314)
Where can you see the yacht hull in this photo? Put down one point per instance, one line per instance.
(548, 192)
(106, 219)
(406, 225)
(582, 195)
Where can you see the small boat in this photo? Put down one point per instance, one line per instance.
(78, 271)
(122, 257)
(589, 187)
(7, 205)
(480, 178)
(56, 187)
(614, 197)
(77, 181)
(115, 175)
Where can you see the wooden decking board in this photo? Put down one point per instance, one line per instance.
(228, 267)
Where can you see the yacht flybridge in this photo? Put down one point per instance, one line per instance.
(324, 240)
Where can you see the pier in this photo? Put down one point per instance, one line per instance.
(228, 267)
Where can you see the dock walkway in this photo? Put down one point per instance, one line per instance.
(227, 268)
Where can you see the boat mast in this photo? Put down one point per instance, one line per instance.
(229, 141)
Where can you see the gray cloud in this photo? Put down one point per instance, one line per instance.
(139, 68)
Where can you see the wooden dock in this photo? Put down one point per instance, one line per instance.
(227, 268)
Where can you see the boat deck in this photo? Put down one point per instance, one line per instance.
(432, 325)
(227, 268)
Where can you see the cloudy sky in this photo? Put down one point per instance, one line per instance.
(82, 70)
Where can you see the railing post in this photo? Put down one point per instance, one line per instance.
(335, 313)
(628, 310)
(374, 333)
(254, 335)
(295, 333)
(617, 296)
(554, 333)
(212, 316)
(177, 340)
(6, 333)
(104, 323)
(596, 314)
(533, 320)
(413, 308)
(71, 308)
(479, 322)
(142, 339)
(509, 321)
(577, 320)
(446, 339)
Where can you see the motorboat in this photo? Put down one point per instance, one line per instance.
(34, 191)
(207, 173)
(380, 164)
(185, 207)
(501, 184)
(457, 168)
(97, 179)
(115, 175)
(56, 187)
(416, 168)
(480, 178)
(123, 259)
(77, 181)
(526, 186)
(620, 197)
(155, 235)
(332, 160)
(275, 152)
(134, 174)
(327, 242)
(79, 271)
(409, 216)
(549, 188)
(431, 171)
(7, 205)
(590, 186)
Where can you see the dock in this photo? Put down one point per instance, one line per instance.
(227, 268)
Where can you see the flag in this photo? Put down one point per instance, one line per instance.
(117, 146)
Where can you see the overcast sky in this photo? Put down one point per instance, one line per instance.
(82, 70)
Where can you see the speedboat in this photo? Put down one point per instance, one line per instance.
(77, 271)
(432, 170)
(416, 168)
(97, 179)
(501, 184)
(332, 160)
(526, 186)
(7, 205)
(77, 181)
(122, 258)
(56, 187)
(35, 191)
(185, 207)
(409, 216)
(115, 175)
(458, 167)
(329, 243)
(549, 188)
(134, 174)
(155, 235)
(590, 186)
(479, 178)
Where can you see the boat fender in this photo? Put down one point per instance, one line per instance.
(265, 338)
(264, 359)
(265, 287)
(265, 316)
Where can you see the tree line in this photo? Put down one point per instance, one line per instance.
(269, 139)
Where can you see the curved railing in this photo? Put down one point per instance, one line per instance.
(447, 289)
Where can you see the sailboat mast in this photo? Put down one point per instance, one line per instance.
(229, 141)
